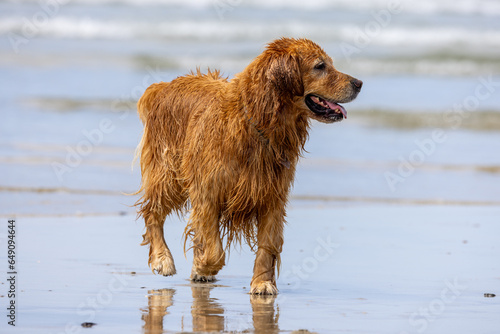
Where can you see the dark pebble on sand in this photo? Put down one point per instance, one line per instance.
(88, 324)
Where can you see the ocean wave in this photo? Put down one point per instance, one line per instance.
(465, 7)
(358, 36)
(482, 7)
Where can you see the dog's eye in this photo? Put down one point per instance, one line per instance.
(320, 66)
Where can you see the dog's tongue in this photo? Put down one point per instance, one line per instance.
(335, 106)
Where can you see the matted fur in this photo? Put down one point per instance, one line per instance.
(227, 151)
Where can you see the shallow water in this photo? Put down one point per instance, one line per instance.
(362, 268)
(406, 188)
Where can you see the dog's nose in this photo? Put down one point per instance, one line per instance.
(357, 84)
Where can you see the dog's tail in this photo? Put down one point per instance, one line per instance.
(143, 110)
(144, 106)
(149, 99)
(161, 189)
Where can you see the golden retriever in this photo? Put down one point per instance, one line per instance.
(226, 150)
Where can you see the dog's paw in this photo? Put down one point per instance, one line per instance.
(203, 268)
(201, 278)
(163, 265)
(195, 277)
(264, 288)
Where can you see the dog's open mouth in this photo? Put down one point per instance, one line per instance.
(326, 109)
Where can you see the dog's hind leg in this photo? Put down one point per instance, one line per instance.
(160, 258)
(269, 242)
(209, 255)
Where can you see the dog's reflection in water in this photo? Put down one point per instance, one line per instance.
(264, 317)
(208, 314)
(158, 303)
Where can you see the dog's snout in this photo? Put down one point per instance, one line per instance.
(356, 84)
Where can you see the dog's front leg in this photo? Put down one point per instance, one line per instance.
(269, 242)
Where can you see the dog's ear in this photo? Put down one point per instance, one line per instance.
(284, 73)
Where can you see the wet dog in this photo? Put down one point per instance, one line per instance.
(226, 151)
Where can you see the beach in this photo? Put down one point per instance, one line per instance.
(393, 219)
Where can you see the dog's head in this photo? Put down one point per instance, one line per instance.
(300, 68)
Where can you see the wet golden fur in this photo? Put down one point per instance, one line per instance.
(229, 149)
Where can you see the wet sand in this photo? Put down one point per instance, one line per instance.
(346, 268)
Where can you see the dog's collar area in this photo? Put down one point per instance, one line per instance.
(261, 135)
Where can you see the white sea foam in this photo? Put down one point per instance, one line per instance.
(483, 7)
(439, 36)
(209, 30)
(466, 7)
